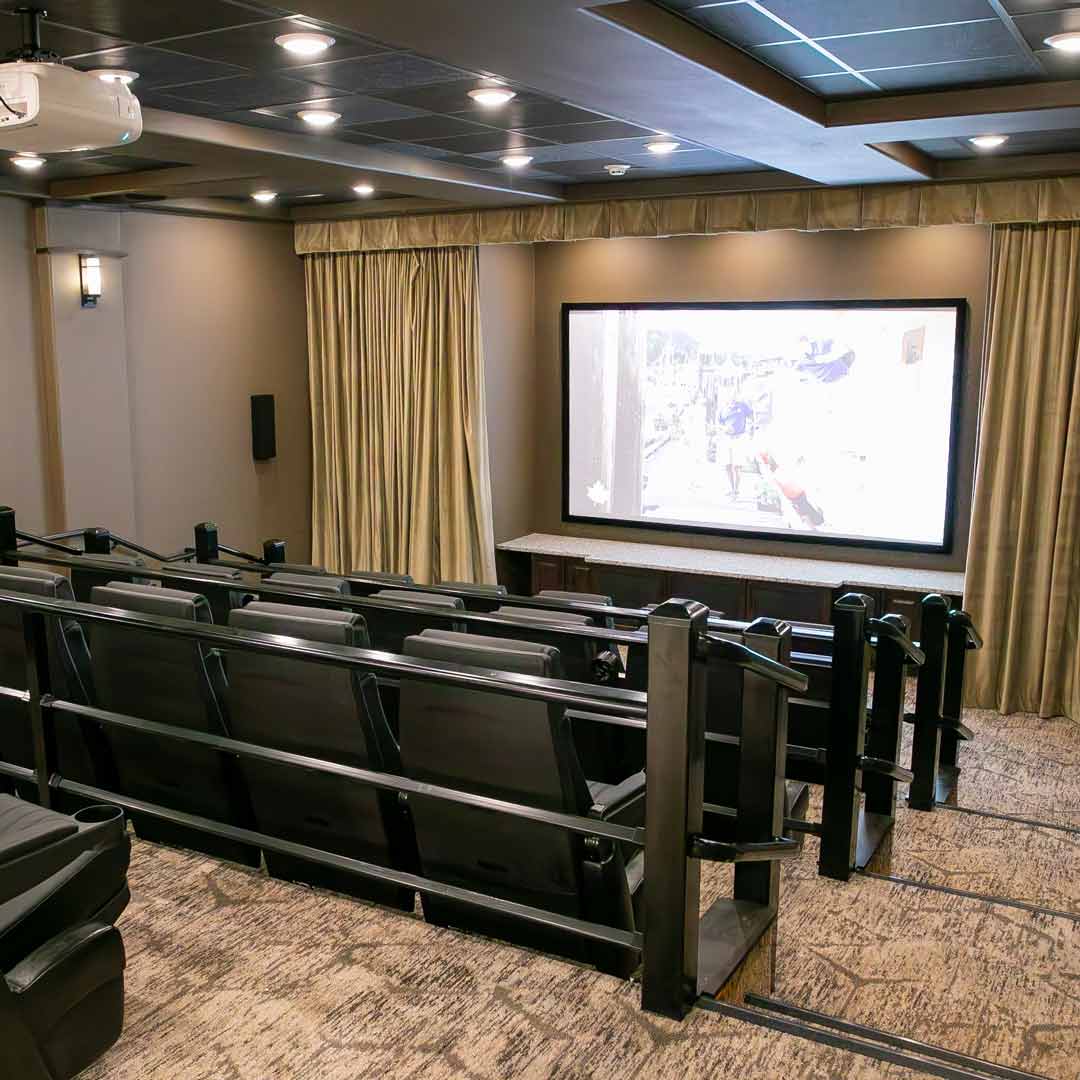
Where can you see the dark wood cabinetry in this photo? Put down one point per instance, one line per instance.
(795, 603)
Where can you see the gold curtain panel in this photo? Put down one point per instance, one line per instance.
(400, 479)
(882, 206)
(1023, 564)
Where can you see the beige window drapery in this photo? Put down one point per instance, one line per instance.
(400, 465)
(1023, 568)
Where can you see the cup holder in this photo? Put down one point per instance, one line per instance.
(98, 814)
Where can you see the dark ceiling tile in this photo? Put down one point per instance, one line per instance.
(59, 39)
(826, 17)
(354, 109)
(146, 20)
(797, 60)
(250, 91)
(253, 46)
(1058, 64)
(959, 74)
(608, 149)
(452, 95)
(422, 128)
(591, 132)
(695, 160)
(525, 113)
(945, 149)
(837, 86)
(388, 71)
(740, 24)
(488, 142)
(156, 67)
(1022, 7)
(968, 41)
(157, 99)
(1037, 28)
(584, 168)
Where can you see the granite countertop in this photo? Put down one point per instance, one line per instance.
(776, 568)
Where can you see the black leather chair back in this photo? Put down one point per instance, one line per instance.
(222, 601)
(125, 569)
(81, 750)
(381, 575)
(577, 654)
(170, 681)
(319, 583)
(322, 712)
(389, 629)
(500, 746)
(470, 588)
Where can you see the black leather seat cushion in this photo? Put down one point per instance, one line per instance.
(25, 827)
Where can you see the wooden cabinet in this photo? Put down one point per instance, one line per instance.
(578, 576)
(908, 604)
(726, 595)
(547, 573)
(794, 603)
(629, 587)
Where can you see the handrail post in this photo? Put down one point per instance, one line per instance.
(206, 542)
(886, 719)
(273, 551)
(97, 541)
(763, 740)
(9, 539)
(39, 684)
(952, 704)
(846, 737)
(929, 699)
(675, 771)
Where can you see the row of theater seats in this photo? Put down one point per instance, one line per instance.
(446, 735)
(63, 883)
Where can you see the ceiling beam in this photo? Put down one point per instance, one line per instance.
(370, 208)
(1025, 50)
(1005, 166)
(154, 180)
(909, 155)
(712, 184)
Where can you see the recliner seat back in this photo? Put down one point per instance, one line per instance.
(389, 628)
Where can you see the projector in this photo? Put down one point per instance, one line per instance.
(47, 108)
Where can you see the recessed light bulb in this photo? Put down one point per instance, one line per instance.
(264, 196)
(305, 44)
(1066, 43)
(364, 189)
(115, 75)
(617, 170)
(516, 161)
(492, 96)
(988, 142)
(662, 146)
(319, 118)
(29, 162)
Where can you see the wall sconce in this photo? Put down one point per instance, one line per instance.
(90, 279)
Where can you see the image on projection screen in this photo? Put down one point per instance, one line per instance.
(827, 423)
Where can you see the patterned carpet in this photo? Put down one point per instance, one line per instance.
(232, 976)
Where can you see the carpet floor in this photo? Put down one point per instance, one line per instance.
(234, 976)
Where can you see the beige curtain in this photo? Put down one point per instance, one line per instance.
(1023, 571)
(400, 465)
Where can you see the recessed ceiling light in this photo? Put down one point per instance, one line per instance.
(112, 75)
(307, 43)
(662, 146)
(319, 118)
(29, 162)
(1068, 42)
(364, 189)
(617, 170)
(516, 161)
(492, 96)
(988, 142)
(264, 196)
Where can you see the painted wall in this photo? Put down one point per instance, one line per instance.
(948, 261)
(506, 318)
(22, 469)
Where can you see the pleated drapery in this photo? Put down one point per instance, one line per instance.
(400, 466)
(1023, 566)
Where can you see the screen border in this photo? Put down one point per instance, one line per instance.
(959, 305)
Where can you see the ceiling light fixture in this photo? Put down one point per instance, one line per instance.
(29, 162)
(365, 190)
(308, 43)
(492, 96)
(264, 196)
(617, 170)
(114, 75)
(319, 118)
(516, 161)
(988, 142)
(662, 146)
(1066, 43)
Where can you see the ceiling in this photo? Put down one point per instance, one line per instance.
(758, 93)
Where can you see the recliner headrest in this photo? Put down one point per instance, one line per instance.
(151, 600)
(580, 597)
(406, 596)
(322, 583)
(471, 588)
(379, 575)
(476, 650)
(35, 582)
(309, 624)
(117, 560)
(226, 573)
(543, 615)
(285, 567)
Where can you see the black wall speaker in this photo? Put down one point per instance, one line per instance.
(263, 436)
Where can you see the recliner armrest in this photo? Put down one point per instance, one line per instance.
(618, 799)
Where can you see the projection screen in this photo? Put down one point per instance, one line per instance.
(824, 422)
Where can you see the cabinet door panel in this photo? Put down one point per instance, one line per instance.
(795, 603)
(628, 587)
(726, 595)
(547, 573)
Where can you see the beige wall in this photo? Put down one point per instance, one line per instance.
(216, 313)
(948, 261)
(22, 474)
(506, 318)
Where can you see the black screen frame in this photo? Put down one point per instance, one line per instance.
(958, 305)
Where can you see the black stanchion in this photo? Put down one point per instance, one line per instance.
(929, 698)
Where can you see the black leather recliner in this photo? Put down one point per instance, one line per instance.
(221, 601)
(126, 569)
(170, 681)
(328, 713)
(389, 629)
(62, 885)
(521, 751)
(82, 752)
(382, 575)
(471, 588)
(320, 583)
